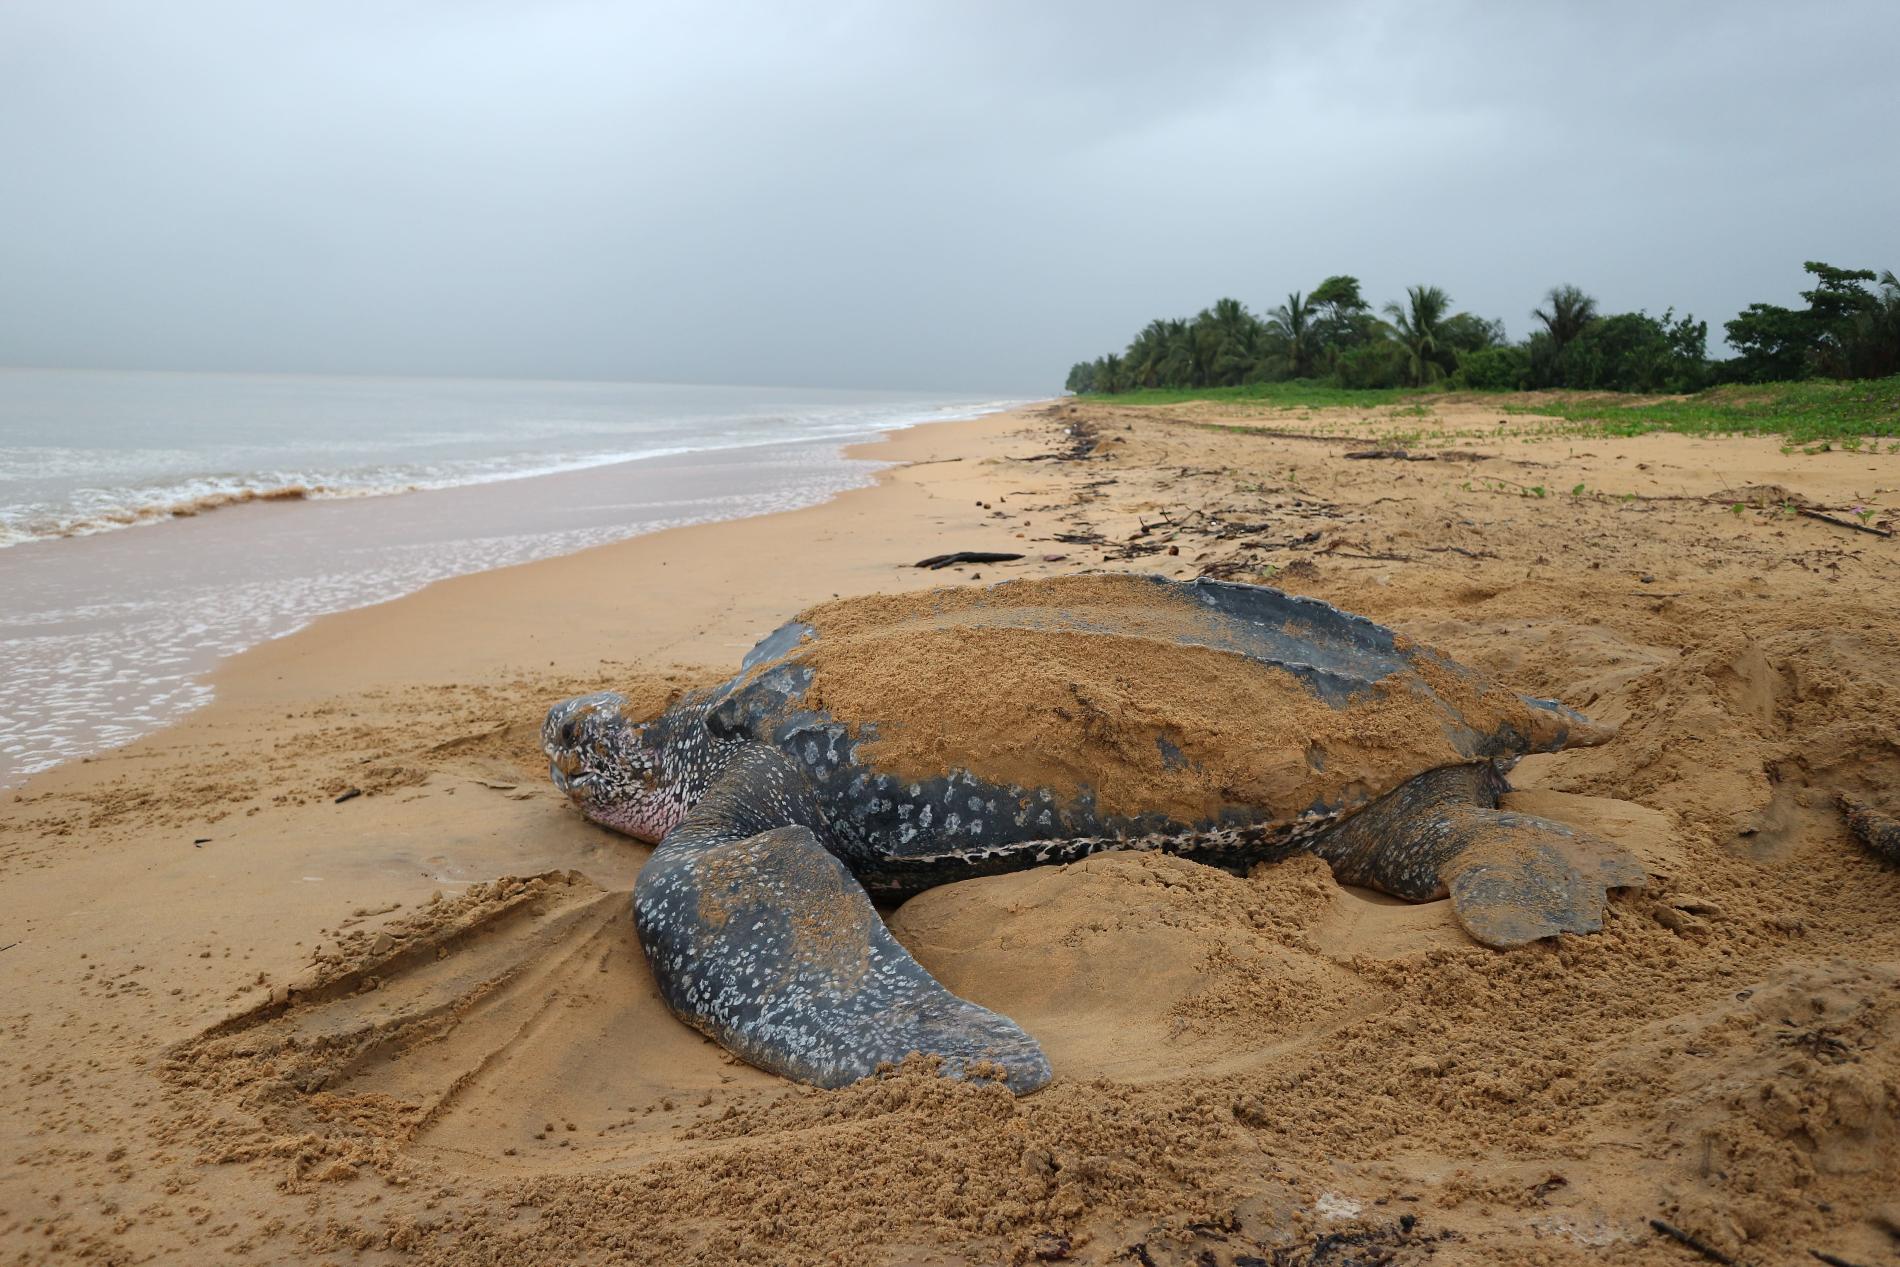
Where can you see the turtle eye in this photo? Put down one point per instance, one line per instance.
(568, 733)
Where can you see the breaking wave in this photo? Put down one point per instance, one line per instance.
(210, 449)
(24, 527)
(104, 509)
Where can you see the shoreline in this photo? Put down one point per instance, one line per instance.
(590, 615)
(324, 650)
(189, 594)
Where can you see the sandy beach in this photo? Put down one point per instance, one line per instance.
(330, 972)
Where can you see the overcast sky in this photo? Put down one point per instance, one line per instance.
(899, 194)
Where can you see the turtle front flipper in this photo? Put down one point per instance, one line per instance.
(1512, 878)
(763, 941)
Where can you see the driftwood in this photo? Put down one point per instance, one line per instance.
(1396, 455)
(1832, 1260)
(1379, 558)
(1080, 447)
(1693, 1241)
(937, 561)
(1838, 522)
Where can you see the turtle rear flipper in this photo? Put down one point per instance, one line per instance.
(763, 941)
(1517, 877)
(1512, 878)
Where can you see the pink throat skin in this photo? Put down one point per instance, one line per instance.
(648, 820)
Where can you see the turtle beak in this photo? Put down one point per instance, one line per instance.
(565, 735)
(567, 772)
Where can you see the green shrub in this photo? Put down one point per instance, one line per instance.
(1373, 365)
(1503, 369)
(1635, 352)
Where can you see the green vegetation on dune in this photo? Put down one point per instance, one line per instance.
(1331, 346)
(1816, 411)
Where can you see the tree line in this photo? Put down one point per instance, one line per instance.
(1850, 328)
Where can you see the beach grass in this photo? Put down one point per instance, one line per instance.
(1819, 411)
(1816, 412)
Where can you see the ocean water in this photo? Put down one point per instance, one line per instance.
(151, 524)
(84, 452)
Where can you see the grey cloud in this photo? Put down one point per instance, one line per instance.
(960, 196)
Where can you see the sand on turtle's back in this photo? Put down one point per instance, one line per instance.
(1142, 695)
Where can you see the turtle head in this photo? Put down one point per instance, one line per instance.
(613, 768)
(1554, 726)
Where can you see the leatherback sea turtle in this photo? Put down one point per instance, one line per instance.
(885, 745)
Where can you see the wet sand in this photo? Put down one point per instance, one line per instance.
(413, 1026)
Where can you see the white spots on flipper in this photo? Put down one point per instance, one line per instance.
(721, 911)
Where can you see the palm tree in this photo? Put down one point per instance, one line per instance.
(1147, 354)
(1569, 312)
(1177, 363)
(1417, 327)
(1234, 342)
(1292, 323)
